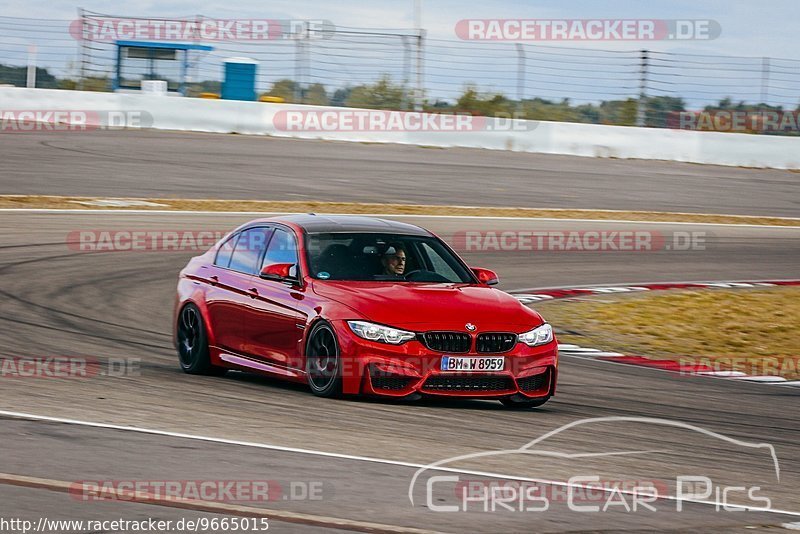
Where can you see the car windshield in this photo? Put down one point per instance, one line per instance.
(383, 257)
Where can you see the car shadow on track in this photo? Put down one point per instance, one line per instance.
(426, 402)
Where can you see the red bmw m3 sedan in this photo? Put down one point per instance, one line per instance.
(357, 305)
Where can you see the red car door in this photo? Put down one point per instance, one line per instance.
(230, 297)
(273, 327)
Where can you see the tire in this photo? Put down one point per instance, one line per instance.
(514, 404)
(323, 361)
(192, 343)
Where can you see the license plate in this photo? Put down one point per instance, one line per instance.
(455, 363)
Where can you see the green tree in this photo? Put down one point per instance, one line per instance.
(619, 112)
(95, 83)
(316, 95)
(660, 107)
(471, 101)
(381, 95)
(205, 86)
(340, 96)
(285, 89)
(19, 76)
(546, 110)
(67, 84)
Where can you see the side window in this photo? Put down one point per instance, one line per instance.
(224, 253)
(282, 249)
(248, 250)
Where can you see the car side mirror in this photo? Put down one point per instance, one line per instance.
(281, 272)
(486, 276)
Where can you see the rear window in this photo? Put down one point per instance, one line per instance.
(248, 250)
(225, 252)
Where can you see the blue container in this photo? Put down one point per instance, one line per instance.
(240, 79)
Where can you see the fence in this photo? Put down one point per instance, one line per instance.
(332, 66)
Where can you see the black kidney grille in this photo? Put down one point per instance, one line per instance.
(468, 383)
(532, 383)
(495, 342)
(447, 341)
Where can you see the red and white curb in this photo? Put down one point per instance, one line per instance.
(552, 293)
(673, 366)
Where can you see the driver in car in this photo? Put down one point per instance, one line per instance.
(394, 260)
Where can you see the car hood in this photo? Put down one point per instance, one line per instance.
(436, 306)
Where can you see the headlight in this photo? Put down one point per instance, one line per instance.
(380, 333)
(538, 336)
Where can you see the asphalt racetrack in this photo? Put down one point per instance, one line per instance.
(198, 165)
(116, 307)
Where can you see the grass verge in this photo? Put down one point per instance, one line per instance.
(754, 331)
(272, 206)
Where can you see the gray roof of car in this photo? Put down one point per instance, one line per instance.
(351, 223)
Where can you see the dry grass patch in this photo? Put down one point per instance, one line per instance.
(759, 328)
(271, 206)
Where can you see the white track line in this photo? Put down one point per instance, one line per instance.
(33, 417)
(760, 379)
(534, 290)
(390, 215)
(728, 376)
(722, 374)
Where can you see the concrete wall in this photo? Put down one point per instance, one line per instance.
(589, 140)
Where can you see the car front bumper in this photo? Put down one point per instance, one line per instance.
(374, 368)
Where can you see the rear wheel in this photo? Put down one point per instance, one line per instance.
(193, 344)
(518, 404)
(323, 361)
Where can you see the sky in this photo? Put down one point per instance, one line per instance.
(748, 28)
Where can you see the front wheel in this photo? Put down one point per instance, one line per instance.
(517, 404)
(323, 361)
(193, 344)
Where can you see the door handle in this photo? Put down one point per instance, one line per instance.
(253, 292)
(214, 280)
